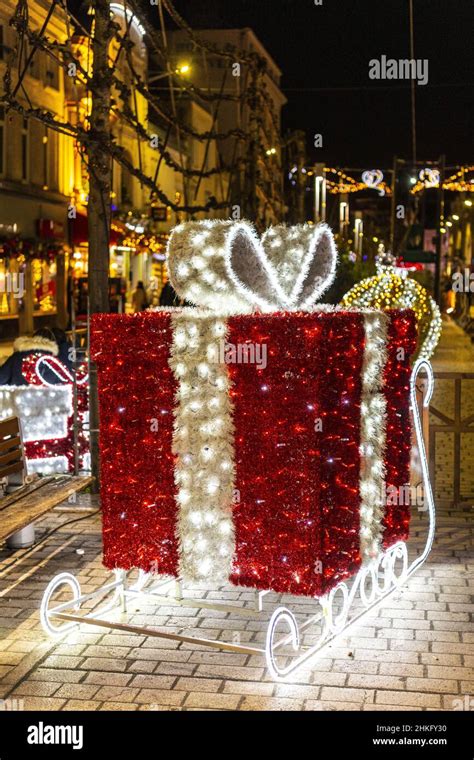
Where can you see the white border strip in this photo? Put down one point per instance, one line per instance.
(373, 435)
(203, 441)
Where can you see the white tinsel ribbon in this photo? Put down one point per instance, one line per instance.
(203, 442)
(372, 435)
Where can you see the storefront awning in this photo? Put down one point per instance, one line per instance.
(80, 230)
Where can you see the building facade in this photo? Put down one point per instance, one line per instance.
(256, 178)
(35, 184)
(44, 181)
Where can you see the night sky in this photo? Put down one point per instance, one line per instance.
(324, 51)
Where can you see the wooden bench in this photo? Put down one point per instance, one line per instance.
(29, 501)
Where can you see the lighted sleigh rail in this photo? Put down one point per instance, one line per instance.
(372, 585)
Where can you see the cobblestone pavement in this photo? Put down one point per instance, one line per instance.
(415, 653)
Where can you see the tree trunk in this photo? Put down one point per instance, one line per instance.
(98, 209)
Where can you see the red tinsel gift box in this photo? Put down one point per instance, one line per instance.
(253, 448)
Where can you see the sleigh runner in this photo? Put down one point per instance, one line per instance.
(272, 474)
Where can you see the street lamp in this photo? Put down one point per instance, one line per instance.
(359, 232)
(343, 216)
(182, 68)
(320, 197)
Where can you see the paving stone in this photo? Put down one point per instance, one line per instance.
(153, 682)
(56, 675)
(458, 702)
(160, 697)
(440, 671)
(10, 657)
(446, 660)
(400, 669)
(116, 694)
(100, 650)
(346, 694)
(86, 705)
(37, 689)
(219, 701)
(249, 687)
(296, 691)
(388, 708)
(432, 685)
(104, 663)
(198, 684)
(160, 655)
(409, 698)
(269, 703)
(355, 666)
(376, 682)
(142, 666)
(244, 673)
(77, 691)
(44, 703)
(330, 706)
(61, 661)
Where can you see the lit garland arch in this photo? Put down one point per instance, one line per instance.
(391, 288)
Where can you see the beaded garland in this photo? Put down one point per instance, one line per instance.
(293, 483)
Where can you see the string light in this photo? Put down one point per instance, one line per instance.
(457, 182)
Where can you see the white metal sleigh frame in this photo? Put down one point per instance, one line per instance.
(371, 586)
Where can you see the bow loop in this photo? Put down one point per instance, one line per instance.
(223, 265)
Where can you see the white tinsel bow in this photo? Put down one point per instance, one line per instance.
(223, 265)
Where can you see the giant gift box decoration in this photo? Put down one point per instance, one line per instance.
(253, 439)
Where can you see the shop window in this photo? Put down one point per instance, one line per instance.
(52, 73)
(35, 63)
(45, 147)
(44, 285)
(2, 141)
(4, 47)
(11, 284)
(126, 183)
(53, 159)
(25, 143)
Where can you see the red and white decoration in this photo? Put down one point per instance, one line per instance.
(46, 414)
(272, 478)
(247, 444)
